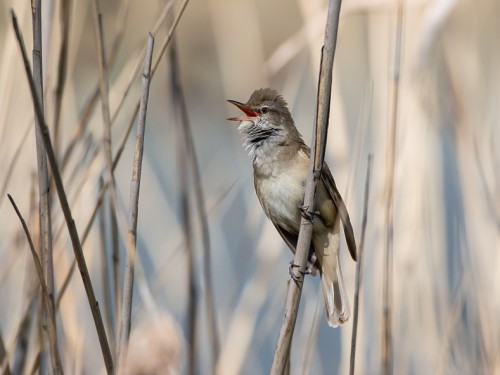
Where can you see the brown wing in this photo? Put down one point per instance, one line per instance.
(331, 187)
(327, 178)
(291, 240)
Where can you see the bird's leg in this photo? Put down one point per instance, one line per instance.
(307, 214)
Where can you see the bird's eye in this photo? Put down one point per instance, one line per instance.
(264, 110)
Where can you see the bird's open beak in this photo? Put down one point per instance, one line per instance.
(250, 114)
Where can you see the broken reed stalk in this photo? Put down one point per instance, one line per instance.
(50, 321)
(135, 184)
(317, 157)
(387, 339)
(359, 266)
(22, 340)
(70, 222)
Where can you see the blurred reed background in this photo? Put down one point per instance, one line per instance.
(446, 241)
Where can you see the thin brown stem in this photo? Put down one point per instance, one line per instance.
(313, 337)
(118, 154)
(316, 164)
(43, 182)
(135, 184)
(105, 270)
(87, 113)
(73, 232)
(107, 148)
(51, 323)
(187, 153)
(359, 266)
(184, 188)
(92, 100)
(62, 69)
(100, 199)
(387, 340)
(140, 61)
(170, 34)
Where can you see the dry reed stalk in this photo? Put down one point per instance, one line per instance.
(22, 340)
(87, 111)
(140, 59)
(62, 69)
(49, 307)
(359, 266)
(98, 203)
(82, 265)
(88, 108)
(187, 154)
(92, 100)
(122, 145)
(107, 149)
(317, 157)
(43, 174)
(313, 336)
(105, 267)
(180, 119)
(135, 184)
(387, 339)
(359, 142)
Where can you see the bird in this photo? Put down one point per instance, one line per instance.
(281, 161)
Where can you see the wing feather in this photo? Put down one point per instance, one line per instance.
(327, 178)
(331, 187)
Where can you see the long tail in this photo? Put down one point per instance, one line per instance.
(332, 283)
(335, 296)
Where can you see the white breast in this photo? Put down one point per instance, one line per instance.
(282, 192)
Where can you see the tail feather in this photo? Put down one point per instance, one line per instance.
(335, 296)
(332, 283)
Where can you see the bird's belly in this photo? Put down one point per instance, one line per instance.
(280, 197)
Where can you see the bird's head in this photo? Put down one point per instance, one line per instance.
(266, 119)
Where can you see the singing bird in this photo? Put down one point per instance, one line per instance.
(280, 167)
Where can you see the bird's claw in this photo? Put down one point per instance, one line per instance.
(306, 214)
(299, 278)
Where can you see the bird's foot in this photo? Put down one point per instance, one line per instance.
(299, 278)
(306, 214)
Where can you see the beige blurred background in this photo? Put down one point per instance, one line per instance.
(446, 188)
